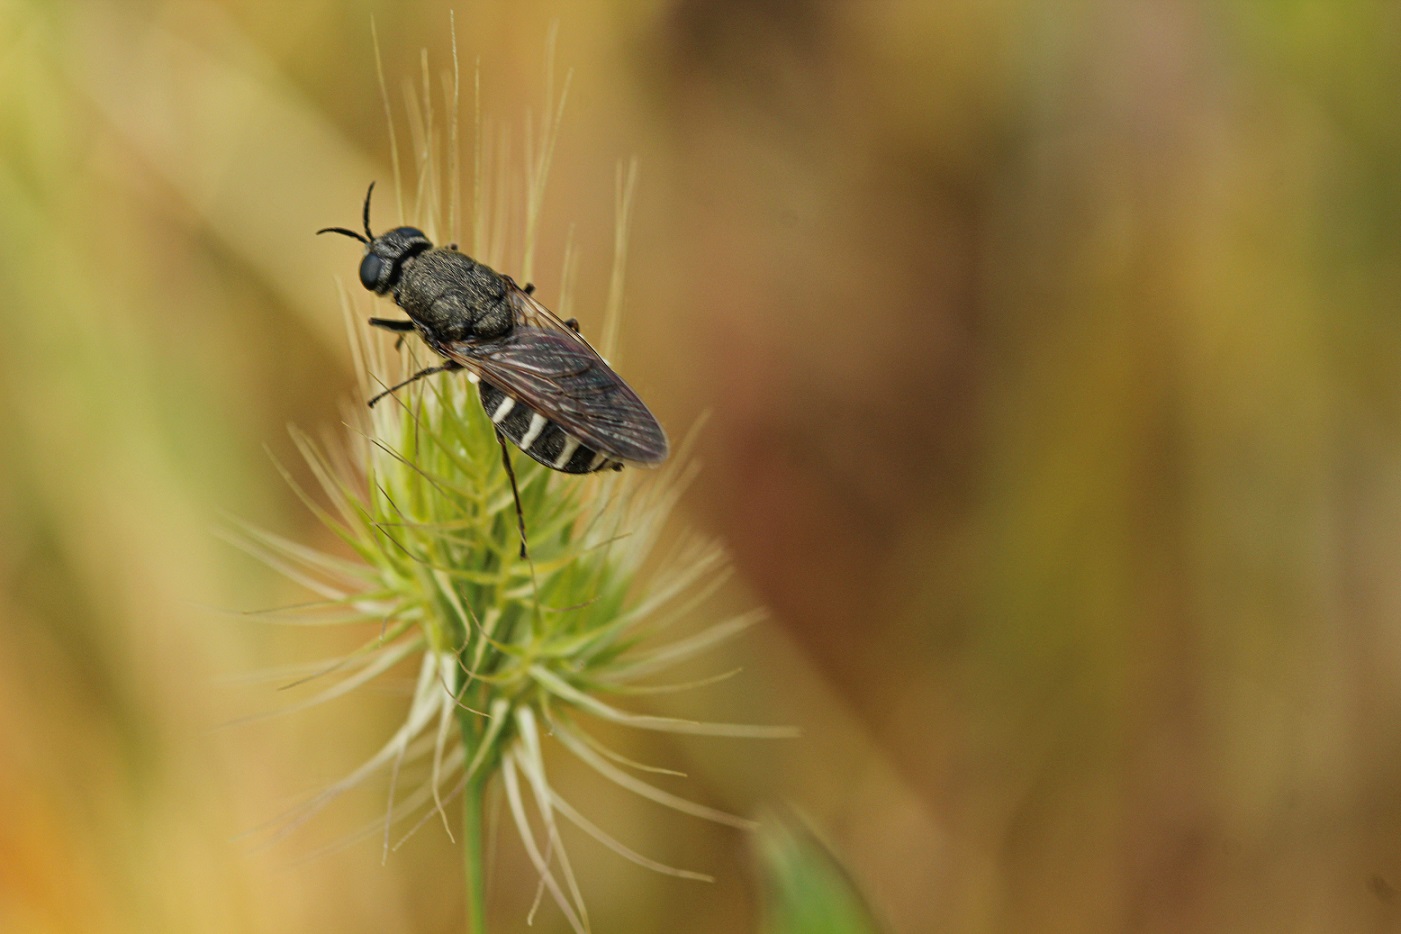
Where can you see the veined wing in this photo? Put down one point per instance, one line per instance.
(556, 373)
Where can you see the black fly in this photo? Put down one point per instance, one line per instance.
(542, 385)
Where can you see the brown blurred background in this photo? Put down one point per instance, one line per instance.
(1052, 361)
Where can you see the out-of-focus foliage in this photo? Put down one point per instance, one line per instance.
(1051, 356)
(807, 891)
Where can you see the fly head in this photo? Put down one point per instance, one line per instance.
(386, 254)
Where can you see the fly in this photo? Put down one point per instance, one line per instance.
(542, 385)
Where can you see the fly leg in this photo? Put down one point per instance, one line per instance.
(515, 491)
(391, 324)
(446, 367)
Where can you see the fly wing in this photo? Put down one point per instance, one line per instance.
(530, 312)
(555, 372)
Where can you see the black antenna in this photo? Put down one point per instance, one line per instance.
(342, 230)
(351, 233)
(367, 211)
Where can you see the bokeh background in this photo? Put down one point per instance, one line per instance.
(1051, 354)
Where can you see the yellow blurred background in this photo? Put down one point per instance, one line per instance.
(1051, 359)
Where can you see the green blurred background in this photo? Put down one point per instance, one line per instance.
(1051, 353)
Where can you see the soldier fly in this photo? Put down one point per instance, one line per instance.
(542, 385)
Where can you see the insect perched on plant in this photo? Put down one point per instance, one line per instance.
(542, 385)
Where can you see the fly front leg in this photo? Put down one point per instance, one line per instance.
(393, 324)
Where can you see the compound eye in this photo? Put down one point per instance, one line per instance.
(370, 269)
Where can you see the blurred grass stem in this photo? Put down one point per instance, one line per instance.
(473, 835)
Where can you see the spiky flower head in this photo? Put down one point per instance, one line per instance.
(510, 648)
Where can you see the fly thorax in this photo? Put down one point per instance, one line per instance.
(444, 292)
(494, 320)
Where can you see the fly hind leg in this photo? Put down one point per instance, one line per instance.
(515, 490)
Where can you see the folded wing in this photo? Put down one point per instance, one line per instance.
(557, 373)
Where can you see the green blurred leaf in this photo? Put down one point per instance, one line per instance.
(806, 888)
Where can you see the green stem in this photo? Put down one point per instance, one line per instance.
(473, 837)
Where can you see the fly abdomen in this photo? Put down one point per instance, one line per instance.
(537, 436)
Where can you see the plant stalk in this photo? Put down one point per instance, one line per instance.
(473, 835)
